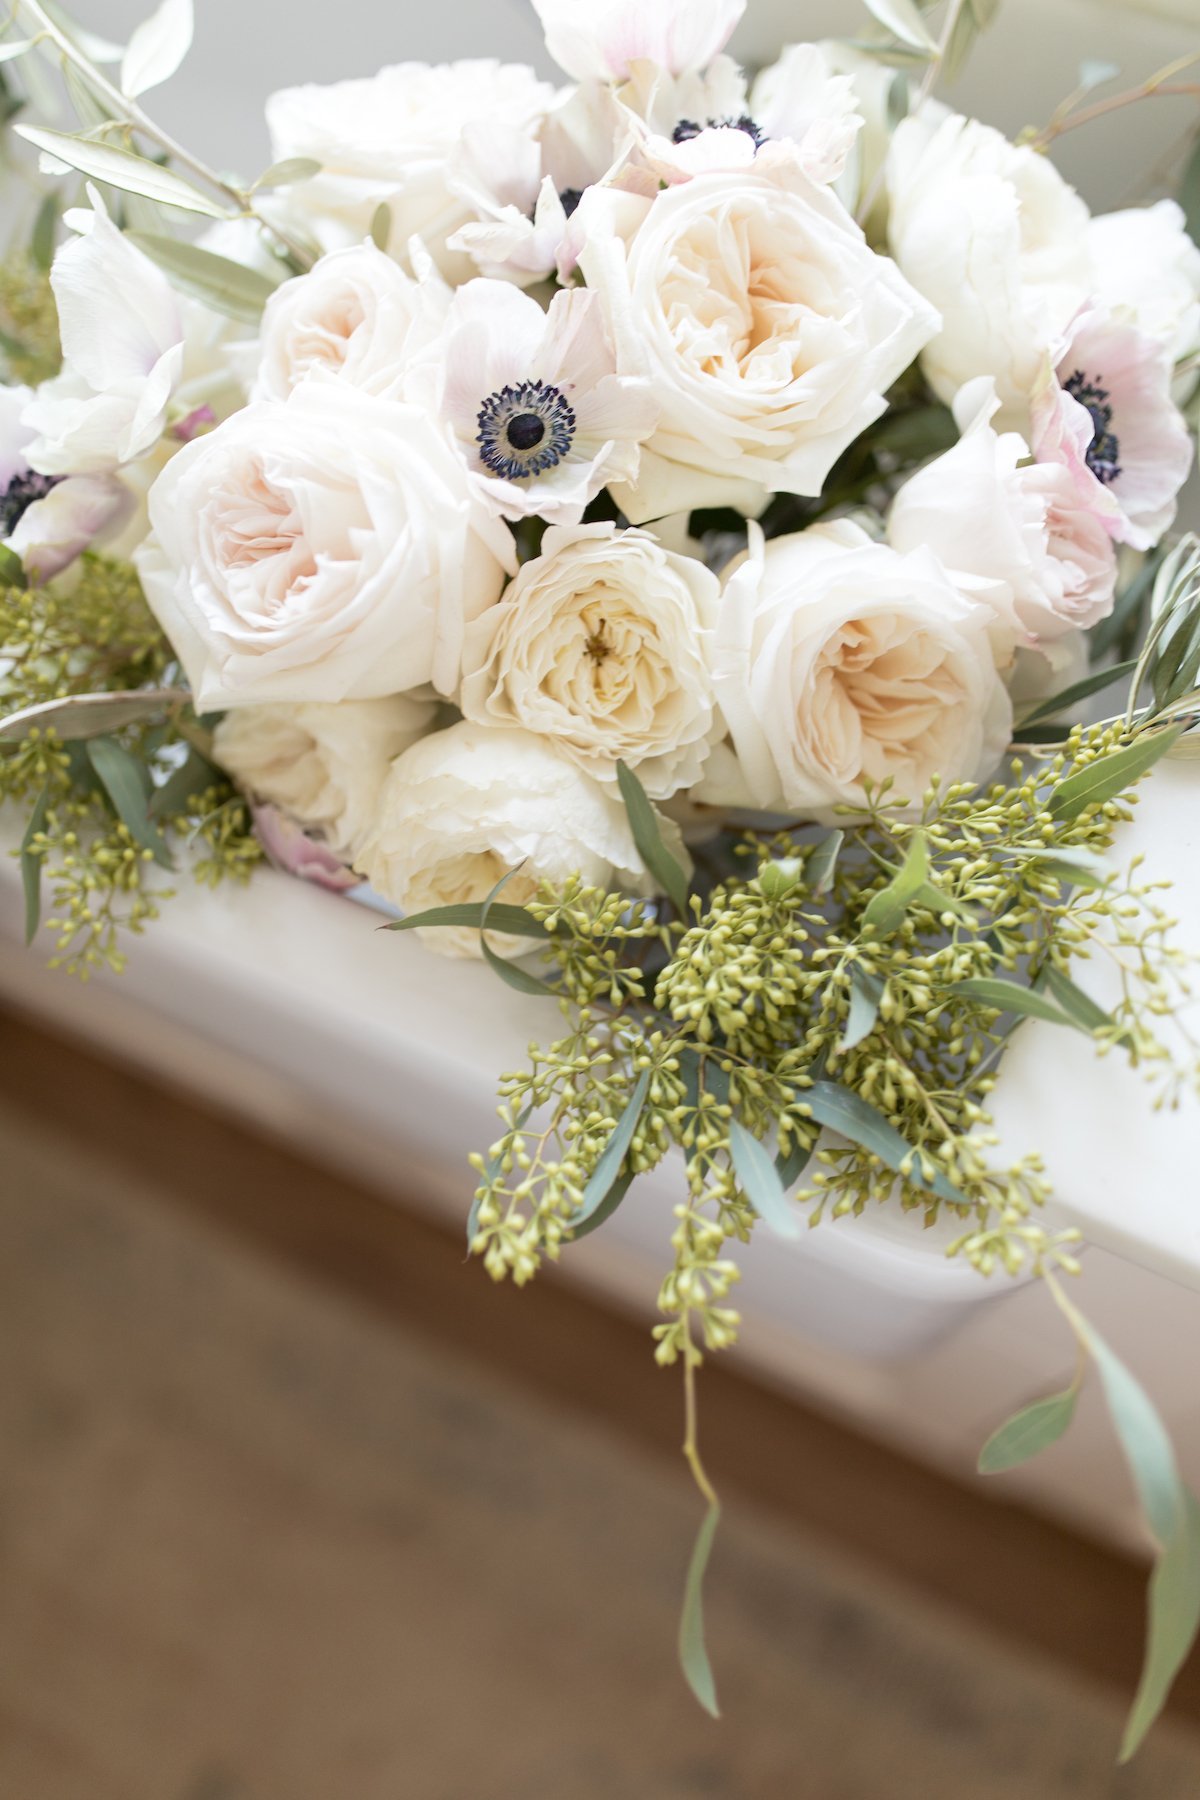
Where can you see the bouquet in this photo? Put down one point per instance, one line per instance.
(701, 543)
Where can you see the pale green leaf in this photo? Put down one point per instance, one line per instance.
(381, 226)
(510, 973)
(19, 47)
(1173, 1619)
(1110, 776)
(1074, 864)
(1074, 1002)
(822, 860)
(905, 23)
(1028, 1432)
(1094, 683)
(283, 174)
(228, 287)
(127, 785)
(121, 169)
(841, 1110)
(865, 995)
(31, 866)
(759, 1179)
(1010, 997)
(647, 835)
(45, 226)
(609, 1168)
(90, 715)
(157, 47)
(693, 1653)
(514, 921)
(885, 910)
(97, 49)
(1189, 192)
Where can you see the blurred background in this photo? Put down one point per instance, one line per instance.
(296, 1506)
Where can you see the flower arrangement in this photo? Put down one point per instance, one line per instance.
(668, 535)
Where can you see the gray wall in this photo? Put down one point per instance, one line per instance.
(245, 48)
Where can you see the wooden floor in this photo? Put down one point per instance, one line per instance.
(268, 1446)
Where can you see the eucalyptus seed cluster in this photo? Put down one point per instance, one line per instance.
(799, 972)
(97, 635)
(737, 974)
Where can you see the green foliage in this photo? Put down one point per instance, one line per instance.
(103, 812)
(29, 346)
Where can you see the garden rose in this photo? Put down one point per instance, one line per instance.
(1044, 562)
(322, 548)
(600, 40)
(601, 643)
(355, 315)
(839, 661)
(394, 139)
(323, 765)
(768, 331)
(992, 235)
(466, 805)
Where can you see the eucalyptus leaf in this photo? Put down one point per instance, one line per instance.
(902, 19)
(283, 174)
(693, 1653)
(1122, 621)
(866, 992)
(1074, 864)
(510, 973)
(381, 225)
(759, 1179)
(791, 1167)
(1074, 1002)
(886, 909)
(90, 715)
(31, 866)
(125, 782)
(1094, 683)
(1110, 776)
(122, 169)
(228, 287)
(45, 226)
(1010, 997)
(644, 823)
(157, 47)
(194, 776)
(1173, 1516)
(19, 47)
(608, 1170)
(606, 1208)
(821, 862)
(513, 920)
(1028, 1432)
(847, 1113)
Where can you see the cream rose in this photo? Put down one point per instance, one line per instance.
(840, 662)
(993, 236)
(356, 315)
(466, 805)
(768, 331)
(396, 139)
(601, 643)
(322, 548)
(1045, 563)
(323, 765)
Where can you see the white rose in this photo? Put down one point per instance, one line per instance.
(838, 661)
(1045, 563)
(601, 39)
(322, 548)
(1147, 273)
(466, 805)
(324, 765)
(994, 237)
(768, 331)
(601, 643)
(394, 139)
(355, 315)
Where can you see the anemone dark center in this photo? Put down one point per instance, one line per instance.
(570, 198)
(1103, 454)
(20, 494)
(524, 430)
(688, 129)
